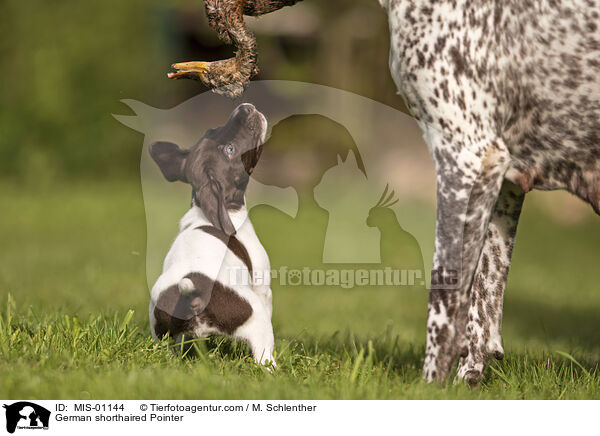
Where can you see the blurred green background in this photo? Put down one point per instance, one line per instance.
(66, 65)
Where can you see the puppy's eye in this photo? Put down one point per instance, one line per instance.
(229, 150)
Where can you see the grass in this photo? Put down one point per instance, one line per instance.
(73, 317)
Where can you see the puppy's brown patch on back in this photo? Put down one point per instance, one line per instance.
(172, 312)
(226, 310)
(210, 303)
(232, 243)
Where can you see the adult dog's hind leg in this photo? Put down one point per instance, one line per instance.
(484, 325)
(469, 178)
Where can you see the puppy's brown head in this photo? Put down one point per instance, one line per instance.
(219, 166)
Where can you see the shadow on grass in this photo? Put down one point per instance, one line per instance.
(539, 321)
(545, 322)
(385, 350)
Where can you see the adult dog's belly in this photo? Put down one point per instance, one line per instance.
(528, 74)
(549, 101)
(553, 135)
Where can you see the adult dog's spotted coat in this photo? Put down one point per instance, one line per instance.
(507, 93)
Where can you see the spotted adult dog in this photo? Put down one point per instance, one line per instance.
(508, 96)
(507, 93)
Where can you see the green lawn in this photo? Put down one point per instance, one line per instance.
(74, 323)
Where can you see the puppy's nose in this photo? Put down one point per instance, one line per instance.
(246, 108)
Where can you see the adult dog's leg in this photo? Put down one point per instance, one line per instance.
(469, 178)
(484, 324)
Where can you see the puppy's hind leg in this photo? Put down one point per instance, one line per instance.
(469, 178)
(484, 324)
(266, 295)
(257, 332)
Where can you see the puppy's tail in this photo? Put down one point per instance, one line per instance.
(186, 286)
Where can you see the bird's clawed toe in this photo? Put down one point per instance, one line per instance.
(189, 70)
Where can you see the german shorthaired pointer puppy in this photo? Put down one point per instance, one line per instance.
(507, 94)
(207, 285)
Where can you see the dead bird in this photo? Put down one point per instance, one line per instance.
(229, 76)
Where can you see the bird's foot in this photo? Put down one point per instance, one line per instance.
(189, 70)
(223, 77)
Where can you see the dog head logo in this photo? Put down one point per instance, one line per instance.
(26, 415)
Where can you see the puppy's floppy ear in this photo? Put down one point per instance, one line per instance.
(211, 201)
(170, 159)
(250, 158)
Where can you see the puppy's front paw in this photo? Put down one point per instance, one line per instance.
(268, 362)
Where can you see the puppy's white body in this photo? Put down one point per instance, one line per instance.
(196, 251)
